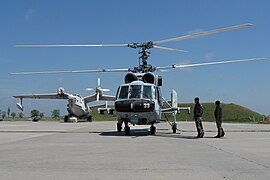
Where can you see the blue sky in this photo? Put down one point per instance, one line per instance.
(121, 21)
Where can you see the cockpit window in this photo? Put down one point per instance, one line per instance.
(123, 92)
(135, 91)
(147, 93)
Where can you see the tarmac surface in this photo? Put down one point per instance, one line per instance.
(54, 150)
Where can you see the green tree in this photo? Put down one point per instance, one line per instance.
(4, 114)
(20, 115)
(41, 115)
(55, 113)
(34, 113)
(8, 111)
(13, 115)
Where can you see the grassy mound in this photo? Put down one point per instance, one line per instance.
(231, 113)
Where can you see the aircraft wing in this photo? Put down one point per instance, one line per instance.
(91, 98)
(43, 96)
(94, 97)
(107, 98)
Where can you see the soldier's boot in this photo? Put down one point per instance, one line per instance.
(201, 133)
(219, 133)
(198, 130)
(222, 133)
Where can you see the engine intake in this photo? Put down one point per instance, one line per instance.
(152, 79)
(130, 77)
(149, 78)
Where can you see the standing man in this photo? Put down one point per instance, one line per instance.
(218, 117)
(198, 111)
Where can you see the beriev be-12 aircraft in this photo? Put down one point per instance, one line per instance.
(76, 105)
(139, 101)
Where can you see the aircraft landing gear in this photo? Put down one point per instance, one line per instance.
(89, 119)
(152, 130)
(127, 128)
(174, 127)
(66, 118)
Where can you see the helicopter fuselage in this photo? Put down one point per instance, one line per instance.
(138, 103)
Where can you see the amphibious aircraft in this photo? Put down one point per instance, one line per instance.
(139, 101)
(76, 105)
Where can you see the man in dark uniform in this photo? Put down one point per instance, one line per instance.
(218, 117)
(198, 111)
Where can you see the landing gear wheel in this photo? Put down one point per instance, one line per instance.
(66, 118)
(174, 127)
(89, 119)
(152, 130)
(119, 127)
(127, 128)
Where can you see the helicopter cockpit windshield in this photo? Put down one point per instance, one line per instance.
(135, 92)
(147, 93)
(123, 94)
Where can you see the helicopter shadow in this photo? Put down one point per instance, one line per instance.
(133, 133)
(145, 132)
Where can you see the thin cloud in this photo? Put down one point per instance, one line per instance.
(29, 13)
(209, 56)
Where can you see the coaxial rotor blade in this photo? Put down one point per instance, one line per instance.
(202, 33)
(209, 63)
(77, 71)
(168, 49)
(71, 45)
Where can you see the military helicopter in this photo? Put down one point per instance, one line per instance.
(76, 104)
(139, 101)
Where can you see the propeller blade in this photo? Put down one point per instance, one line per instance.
(98, 82)
(98, 96)
(168, 49)
(76, 71)
(89, 89)
(206, 33)
(70, 45)
(104, 90)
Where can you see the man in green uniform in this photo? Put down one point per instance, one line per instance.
(218, 117)
(197, 115)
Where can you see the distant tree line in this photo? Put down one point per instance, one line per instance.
(34, 113)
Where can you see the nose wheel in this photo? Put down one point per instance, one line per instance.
(174, 127)
(127, 128)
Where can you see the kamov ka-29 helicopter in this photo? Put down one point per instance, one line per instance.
(139, 101)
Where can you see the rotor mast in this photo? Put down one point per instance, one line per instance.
(144, 53)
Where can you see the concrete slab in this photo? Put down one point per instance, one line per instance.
(53, 150)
